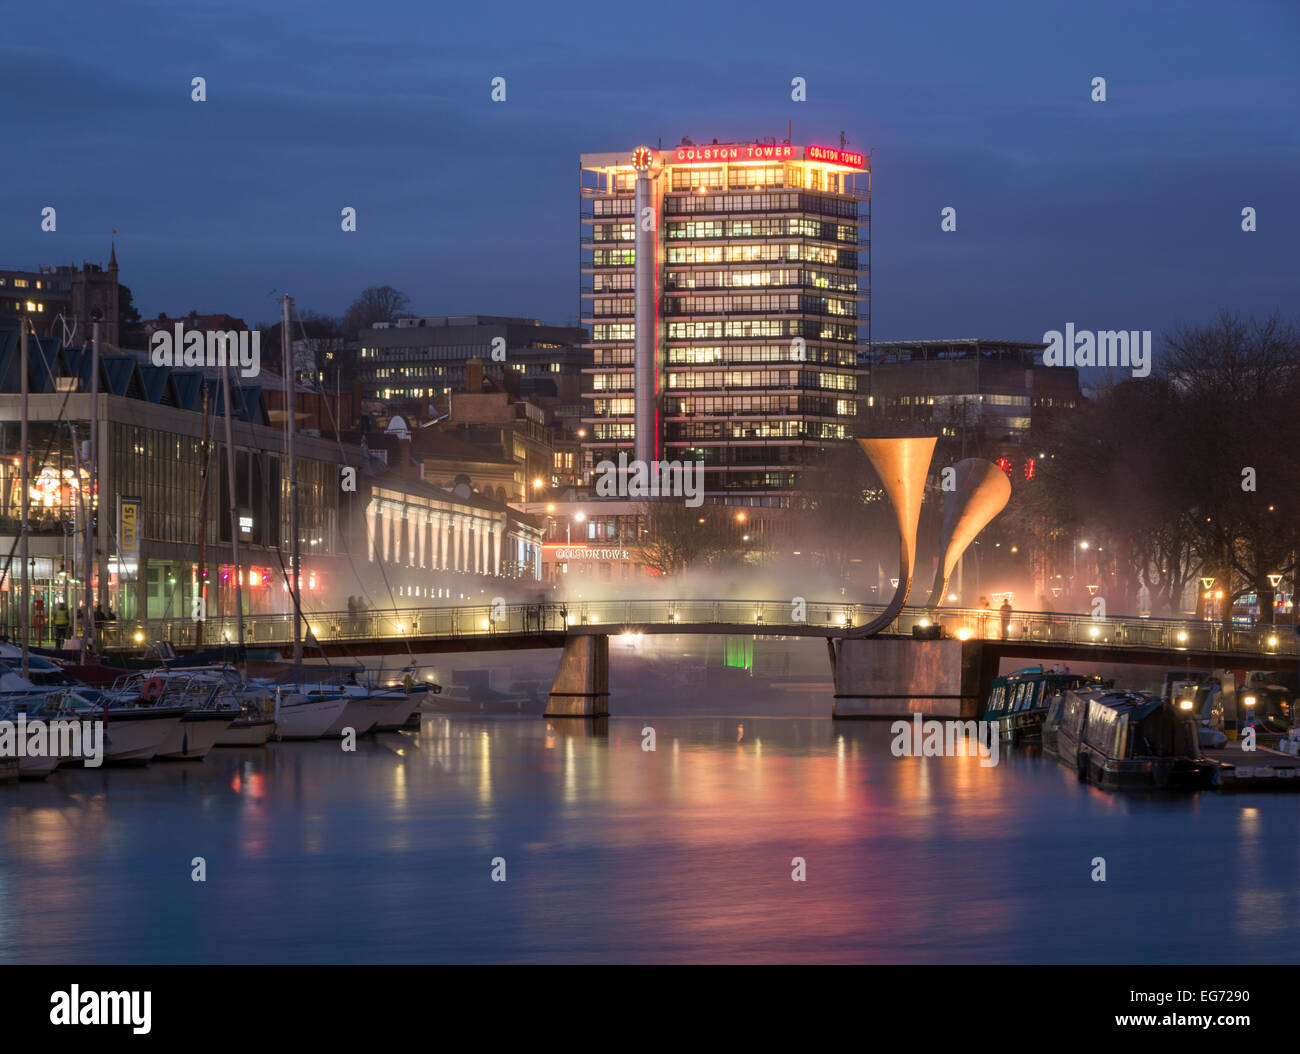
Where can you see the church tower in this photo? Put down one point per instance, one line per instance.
(96, 287)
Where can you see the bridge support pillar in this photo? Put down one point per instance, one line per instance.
(581, 687)
(889, 678)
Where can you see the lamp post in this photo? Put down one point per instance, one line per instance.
(1274, 580)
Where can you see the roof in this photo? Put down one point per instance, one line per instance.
(127, 374)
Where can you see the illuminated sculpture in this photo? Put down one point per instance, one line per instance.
(982, 491)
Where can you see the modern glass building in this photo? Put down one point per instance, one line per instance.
(727, 288)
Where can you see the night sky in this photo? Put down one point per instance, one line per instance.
(1123, 214)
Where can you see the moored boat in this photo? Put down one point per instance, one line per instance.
(134, 734)
(462, 699)
(361, 713)
(212, 708)
(299, 716)
(247, 731)
(395, 714)
(1018, 702)
(1130, 740)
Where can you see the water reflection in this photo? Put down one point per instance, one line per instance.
(617, 853)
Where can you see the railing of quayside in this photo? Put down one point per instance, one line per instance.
(753, 615)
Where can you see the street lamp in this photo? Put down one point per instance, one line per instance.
(1274, 580)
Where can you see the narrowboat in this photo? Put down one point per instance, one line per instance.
(1130, 740)
(1018, 702)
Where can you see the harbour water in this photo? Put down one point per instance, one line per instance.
(617, 854)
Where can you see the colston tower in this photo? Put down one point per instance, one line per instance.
(728, 292)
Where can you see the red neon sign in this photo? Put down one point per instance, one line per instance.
(834, 156)
(713, 155)
(721, 154)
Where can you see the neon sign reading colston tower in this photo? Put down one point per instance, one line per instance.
(727, 290)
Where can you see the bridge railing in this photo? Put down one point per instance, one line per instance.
(748, 616)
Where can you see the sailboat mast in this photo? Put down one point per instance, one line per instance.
(234, 513)
(25, 483)
(202, 583)
(291, 423)
(88, 512)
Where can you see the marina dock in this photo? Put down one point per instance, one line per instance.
(1257, 770)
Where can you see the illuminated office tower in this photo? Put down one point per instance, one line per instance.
(727, 289)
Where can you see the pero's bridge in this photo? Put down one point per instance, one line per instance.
(923, 660)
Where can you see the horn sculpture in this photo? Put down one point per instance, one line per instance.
(982, 492)
(902, 465)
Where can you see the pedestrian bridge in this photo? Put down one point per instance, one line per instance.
(491, 627)
(934, 662)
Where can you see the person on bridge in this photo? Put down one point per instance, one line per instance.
(1005, 609)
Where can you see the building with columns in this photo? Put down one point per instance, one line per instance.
(435, 543)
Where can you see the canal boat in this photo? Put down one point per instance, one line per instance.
(1130, 740)
(1018, 702)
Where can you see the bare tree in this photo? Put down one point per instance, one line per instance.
(379, 303)
(1188, 472)
(677, 537)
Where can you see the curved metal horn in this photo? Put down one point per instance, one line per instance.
(902, 465)
(981, 493)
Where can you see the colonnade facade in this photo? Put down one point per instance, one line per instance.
(448, 538)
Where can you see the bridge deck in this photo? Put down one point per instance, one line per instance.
(501, 626)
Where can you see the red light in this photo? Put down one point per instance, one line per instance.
(1005, 465)
(1029, 468)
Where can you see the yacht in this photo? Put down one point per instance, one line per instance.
(301, 716)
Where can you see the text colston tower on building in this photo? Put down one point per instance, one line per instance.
(729, 293)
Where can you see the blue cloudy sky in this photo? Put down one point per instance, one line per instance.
(1123, 214)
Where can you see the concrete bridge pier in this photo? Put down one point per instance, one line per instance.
(891, 678)
(581, 687)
